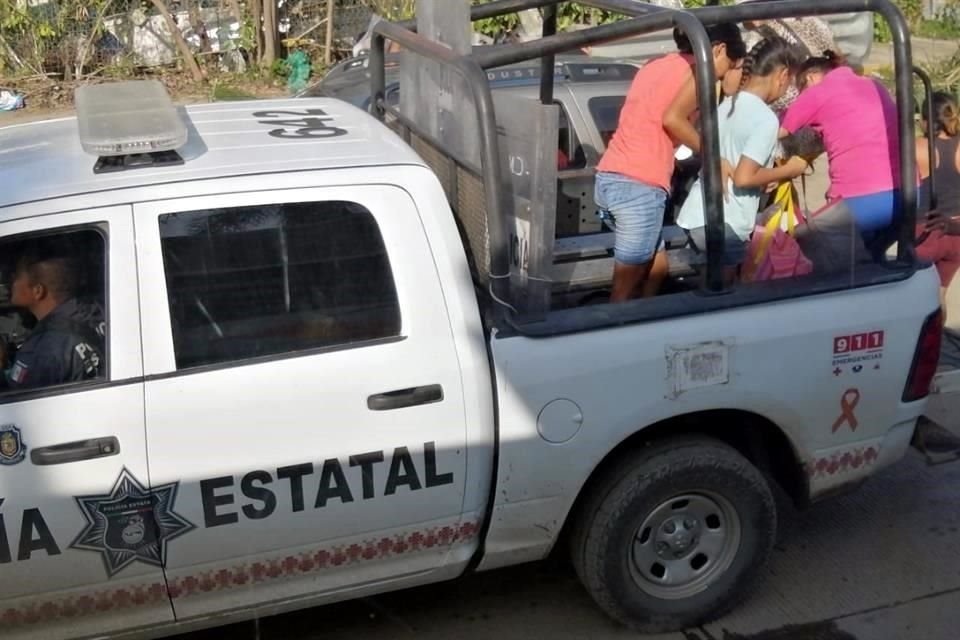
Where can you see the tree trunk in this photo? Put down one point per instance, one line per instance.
(237, 12)
(328, 39)
(182, 46)
(256, 11)
(270, 33)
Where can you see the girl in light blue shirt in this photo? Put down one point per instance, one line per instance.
(749, 130)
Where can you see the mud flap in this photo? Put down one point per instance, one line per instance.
(938, 444)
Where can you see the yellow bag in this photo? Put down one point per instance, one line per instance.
(772, 253)
(784, 204)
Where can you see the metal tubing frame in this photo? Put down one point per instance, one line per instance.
(547, 62)
(652, 18)
(903, 68)
(476, 79)
(931, 135)
(648, 18)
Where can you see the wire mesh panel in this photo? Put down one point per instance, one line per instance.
(472, 214)
(528, 133)
(465, 193)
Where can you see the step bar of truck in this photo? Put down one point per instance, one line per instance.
(946, 382)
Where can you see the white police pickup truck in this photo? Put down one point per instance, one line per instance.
(303, 397)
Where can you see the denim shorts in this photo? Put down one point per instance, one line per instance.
(734, 249)
(635, 211)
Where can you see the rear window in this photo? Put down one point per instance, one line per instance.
(605, 111)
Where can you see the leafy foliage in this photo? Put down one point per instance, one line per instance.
(59, 34)
(945, 26)
(393, 9)
(568, 15)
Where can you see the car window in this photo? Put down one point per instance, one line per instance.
(570, 151)
(52, 309)
(605, 111)
(264, 280)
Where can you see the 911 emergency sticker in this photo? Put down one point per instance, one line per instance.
(131, 523)
(12, 447)
(856, 352)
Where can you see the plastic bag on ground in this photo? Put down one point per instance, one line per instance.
(11, 100)
(299, 65)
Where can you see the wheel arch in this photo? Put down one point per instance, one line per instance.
(758, 439)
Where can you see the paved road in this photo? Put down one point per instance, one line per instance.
(878, 564)
(925, 51)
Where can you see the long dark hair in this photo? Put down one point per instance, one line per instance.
(945, 113)
(766, 57)
(726, 33)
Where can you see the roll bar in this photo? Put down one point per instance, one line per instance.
(931, 139)
(644, 18)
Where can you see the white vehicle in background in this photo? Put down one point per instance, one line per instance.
(853, 33)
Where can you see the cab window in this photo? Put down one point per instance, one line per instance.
(257, 281)
(605, 111)
(570, 152)
(52, 309)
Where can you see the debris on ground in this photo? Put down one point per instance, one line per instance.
(298, 67)
(10, 100)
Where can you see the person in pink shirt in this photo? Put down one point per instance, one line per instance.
(857, 118)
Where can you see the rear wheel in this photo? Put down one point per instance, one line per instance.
(671, 534)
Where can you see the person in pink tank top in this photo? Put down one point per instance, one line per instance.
(857, 118)
(633, 177)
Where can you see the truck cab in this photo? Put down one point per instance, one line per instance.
(199, 464)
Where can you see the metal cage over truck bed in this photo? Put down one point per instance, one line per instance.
(496, 157)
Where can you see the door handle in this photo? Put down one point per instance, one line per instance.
(75, 451)
(403, 398)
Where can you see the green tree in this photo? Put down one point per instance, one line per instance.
(61, 34)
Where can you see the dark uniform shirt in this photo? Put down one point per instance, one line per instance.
(65, 346)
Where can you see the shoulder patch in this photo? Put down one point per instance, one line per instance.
(89, 357)
(18, 372)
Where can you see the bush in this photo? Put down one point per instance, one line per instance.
(945, 26)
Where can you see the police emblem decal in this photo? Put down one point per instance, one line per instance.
(131, 523)
(12, 447)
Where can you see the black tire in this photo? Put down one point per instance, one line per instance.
(612, 555)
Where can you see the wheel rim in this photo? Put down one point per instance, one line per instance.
(684, 545)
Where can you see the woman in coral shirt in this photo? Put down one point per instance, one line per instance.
(633, 177)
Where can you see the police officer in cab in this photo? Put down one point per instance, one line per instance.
(67, 343)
